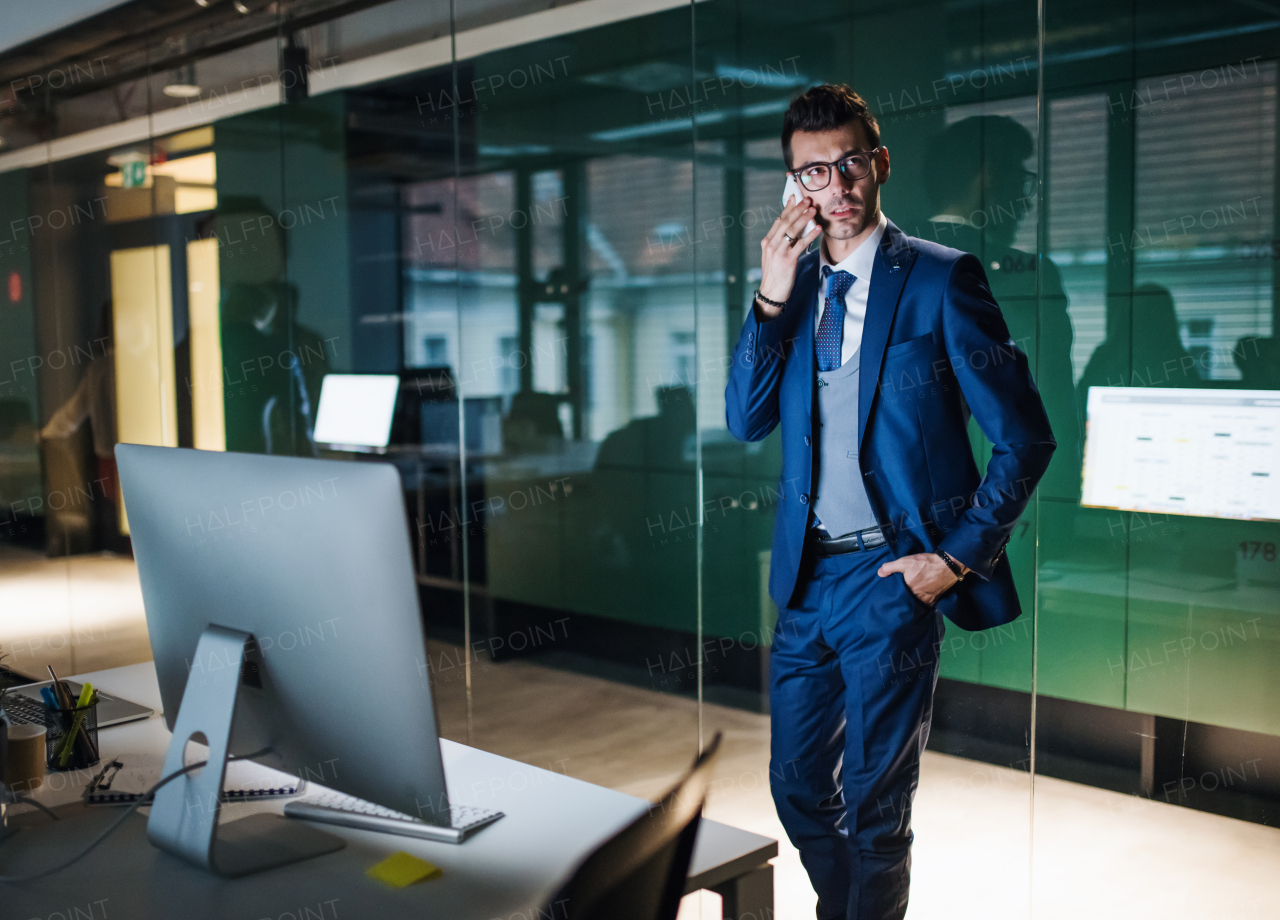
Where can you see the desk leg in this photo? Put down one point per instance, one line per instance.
(749, 896)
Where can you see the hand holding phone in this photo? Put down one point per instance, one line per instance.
(782, 247)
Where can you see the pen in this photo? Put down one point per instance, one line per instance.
(63, 699)
(60, 690)
(91, 701)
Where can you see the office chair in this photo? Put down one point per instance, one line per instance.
(640, 872)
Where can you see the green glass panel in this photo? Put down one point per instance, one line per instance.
(1081, 612)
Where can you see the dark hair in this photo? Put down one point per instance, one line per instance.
(826, 108)
(959, 153)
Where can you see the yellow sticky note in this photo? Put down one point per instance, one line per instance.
(401, 869)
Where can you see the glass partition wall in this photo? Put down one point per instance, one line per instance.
(1155, 634)
(547, 223)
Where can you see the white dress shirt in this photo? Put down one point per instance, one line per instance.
(857, 263)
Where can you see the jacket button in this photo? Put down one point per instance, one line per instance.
(804, 499)
(806, 440)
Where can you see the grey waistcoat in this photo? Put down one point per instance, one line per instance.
(841, 504)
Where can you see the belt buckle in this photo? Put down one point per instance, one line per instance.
(815, 536)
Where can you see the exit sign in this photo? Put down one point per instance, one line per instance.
(133, 174)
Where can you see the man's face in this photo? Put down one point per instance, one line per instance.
(1005, 193)
(845, 208)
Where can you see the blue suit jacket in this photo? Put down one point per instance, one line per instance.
(935, 348)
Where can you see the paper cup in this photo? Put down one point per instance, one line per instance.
(24, 767)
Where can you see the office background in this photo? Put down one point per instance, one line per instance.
(546, 219)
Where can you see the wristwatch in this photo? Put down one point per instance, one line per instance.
(954, 566)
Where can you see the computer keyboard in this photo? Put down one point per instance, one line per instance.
(22, 709)
(349, 811)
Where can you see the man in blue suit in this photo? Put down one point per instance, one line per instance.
(872, 351)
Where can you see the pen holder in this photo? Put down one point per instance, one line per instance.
(71, 738)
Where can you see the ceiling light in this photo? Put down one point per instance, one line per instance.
(241, 8)
(182, 83)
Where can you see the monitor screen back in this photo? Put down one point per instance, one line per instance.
(312, 558)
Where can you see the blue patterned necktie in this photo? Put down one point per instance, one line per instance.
(831, 326)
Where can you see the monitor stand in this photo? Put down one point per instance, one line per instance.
(184, 815)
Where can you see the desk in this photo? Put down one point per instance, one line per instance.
(502, 873)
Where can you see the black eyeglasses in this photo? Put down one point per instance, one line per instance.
(817, 176)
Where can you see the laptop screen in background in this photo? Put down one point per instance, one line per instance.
(356, 409)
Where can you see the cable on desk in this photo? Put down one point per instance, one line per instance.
(144, 799)
(40, 805)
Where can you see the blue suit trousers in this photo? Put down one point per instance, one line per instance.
(853, 669)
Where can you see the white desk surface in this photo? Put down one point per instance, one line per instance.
(502, 873)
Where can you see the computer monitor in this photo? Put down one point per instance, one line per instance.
(311, 558)
(1210, 453)
(483, 415)
(356, 410)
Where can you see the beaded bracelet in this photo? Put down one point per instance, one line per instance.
(773, 303)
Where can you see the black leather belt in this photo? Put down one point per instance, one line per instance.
(826, 545)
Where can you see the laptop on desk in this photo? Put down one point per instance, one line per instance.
(23, 704)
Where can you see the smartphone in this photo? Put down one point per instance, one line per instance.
(792, 191)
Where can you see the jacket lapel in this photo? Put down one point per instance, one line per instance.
(893, 261)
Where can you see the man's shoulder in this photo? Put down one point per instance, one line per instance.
(931, 254)
(931, 262)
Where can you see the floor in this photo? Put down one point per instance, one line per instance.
(76, 613)
(1096, 854)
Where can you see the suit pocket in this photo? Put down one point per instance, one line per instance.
(920, 343)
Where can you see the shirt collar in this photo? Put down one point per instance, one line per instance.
(857, 263)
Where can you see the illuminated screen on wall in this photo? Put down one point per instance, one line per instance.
(1211, 453)
(356, 409)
